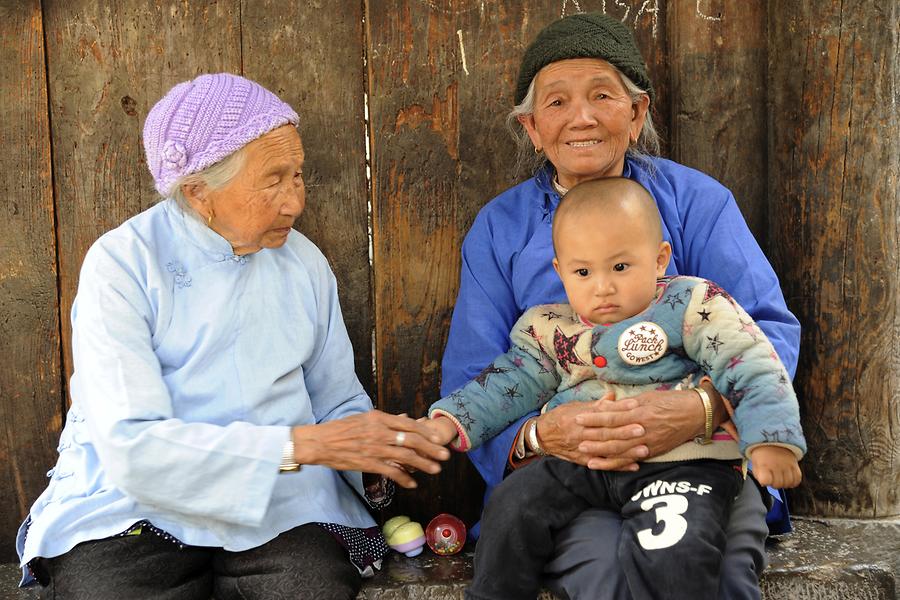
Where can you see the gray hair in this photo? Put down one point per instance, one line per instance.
(528, 161)
(215, 176)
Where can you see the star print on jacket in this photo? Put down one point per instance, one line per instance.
(565, 350)
(544, 359)
(707, 334)
(483, 376)
(735, 394)
(713, 343)
(734, 361)
(672, 300)
(596, 334)
(530, 332)
(779, 436)
(510, 395)
(463, 412)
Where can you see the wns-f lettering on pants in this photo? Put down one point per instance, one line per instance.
(673, 534)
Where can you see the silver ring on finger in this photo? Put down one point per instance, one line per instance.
(399, 438)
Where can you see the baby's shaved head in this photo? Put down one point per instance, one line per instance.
(607, 196)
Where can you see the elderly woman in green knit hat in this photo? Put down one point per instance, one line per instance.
(583, 111)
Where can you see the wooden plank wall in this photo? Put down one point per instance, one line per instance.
(718, 98)
(30, 381)
(438, 75)
(834, 198)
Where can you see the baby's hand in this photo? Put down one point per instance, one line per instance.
(443, 428)
(775, 466)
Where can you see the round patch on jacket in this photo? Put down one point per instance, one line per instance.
(642, 343)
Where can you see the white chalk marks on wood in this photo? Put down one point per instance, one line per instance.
(629, 12)
(701, 14)
(636, 13)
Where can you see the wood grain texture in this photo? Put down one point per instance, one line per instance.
(108, 65)
(718, 98)
(311, 55)
(834, 206)
(30, 395)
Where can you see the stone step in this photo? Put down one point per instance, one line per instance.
(824, 559)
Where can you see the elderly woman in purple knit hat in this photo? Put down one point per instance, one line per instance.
(218, 434)
(582, 112)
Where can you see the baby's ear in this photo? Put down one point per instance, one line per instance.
(556, 265)
(662, 259)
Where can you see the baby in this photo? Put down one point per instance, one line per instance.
(627, 329)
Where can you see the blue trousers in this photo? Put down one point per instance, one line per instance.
(672, 515)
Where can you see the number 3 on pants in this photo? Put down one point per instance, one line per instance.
(669, 509)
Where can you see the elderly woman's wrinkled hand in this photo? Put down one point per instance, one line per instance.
(619, 433)
(593, 434)
(371, 442)
(560, 435)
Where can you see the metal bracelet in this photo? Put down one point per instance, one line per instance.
(707, 409)
(288, 462)
(532, 438)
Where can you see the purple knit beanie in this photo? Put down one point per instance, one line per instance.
(200, 122)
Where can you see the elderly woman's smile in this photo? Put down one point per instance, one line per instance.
(584, 119)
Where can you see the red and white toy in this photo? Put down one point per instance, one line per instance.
(445, 534)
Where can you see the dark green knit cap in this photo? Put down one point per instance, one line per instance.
(588, 35)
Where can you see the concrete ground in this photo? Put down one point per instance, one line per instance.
(824, 559)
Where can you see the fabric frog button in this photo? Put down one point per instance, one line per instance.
(642, 343)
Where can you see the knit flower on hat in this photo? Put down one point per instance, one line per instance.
(174, 155)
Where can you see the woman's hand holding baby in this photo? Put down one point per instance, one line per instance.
(648, 424)
(584, 433)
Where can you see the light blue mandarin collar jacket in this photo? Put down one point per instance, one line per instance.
(190, 366)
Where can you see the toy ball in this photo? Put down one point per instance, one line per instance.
(445, 534)
(404, 535)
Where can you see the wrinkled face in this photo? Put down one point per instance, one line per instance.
(584, 119)
(258, 207)
(608, 264)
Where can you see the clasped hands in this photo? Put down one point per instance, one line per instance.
(613, 435)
